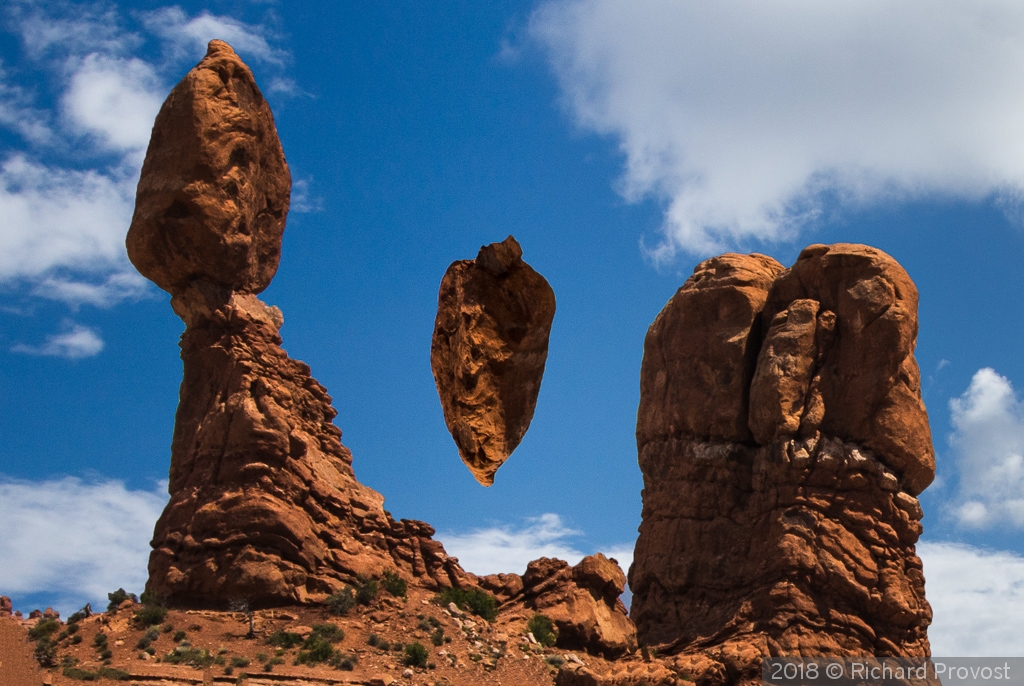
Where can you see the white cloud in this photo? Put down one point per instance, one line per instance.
(116, 100)
(508, 549)
(988, 445)
(61, 218)
(977, 597)
(189, 36)
(115, 288)
(743, 116)
(74, 344)
(75, 540)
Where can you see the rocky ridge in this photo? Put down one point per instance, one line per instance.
(488, 352)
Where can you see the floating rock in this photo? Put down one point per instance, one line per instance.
(783, 442)
(488, 352)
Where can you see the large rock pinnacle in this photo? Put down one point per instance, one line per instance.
(264, 504)
(783, 441)
(488, 352)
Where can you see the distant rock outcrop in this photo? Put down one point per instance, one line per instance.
(582, 601)
(782, 439)
(489, 348)
(264, 504)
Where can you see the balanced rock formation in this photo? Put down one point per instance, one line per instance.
(264, 504)
(783, 441)
(488, 352)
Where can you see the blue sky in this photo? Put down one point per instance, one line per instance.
(620, 142)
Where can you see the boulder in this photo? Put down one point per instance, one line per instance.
(488, 352)
(6, 607)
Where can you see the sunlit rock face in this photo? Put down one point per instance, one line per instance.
(783, 441)
(264, 506)
(488, 352)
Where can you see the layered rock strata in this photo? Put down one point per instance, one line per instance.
(488, 352)
(264, 505)
(783, 441)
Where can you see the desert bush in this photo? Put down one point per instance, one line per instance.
(112, 673)
(343, 661)
(239, 661)
(283, 639)
(328, 631)
(118, 597)
(543, 629)
(79, 674)
(46, 652)
(179, 636)
(187, 655)
(99, 640)
(555, 660)
(366, 590)
(437, 638)
(479, 602)
(43, 629)
(341, 602)
(416, 655)
(150, 615)
(394, 584)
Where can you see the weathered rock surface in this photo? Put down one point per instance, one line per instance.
(488, 352)
(214, 191)
(582, 601)
(6, 608)
(264, 504)
(783, 442)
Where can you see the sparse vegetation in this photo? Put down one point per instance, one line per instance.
(283, 639)
(185, 654)
(150, 615)
(367, 590)
(394, 584)
(416, 655)
(437, 638)
(239, 661)
(555, 661)
(43, 629)
(543, 629)
(341, 602)
(319, 648)
(118, 597)
(179, 636)
(479, 602)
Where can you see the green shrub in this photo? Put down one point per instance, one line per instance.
(150, 615)
(479, 602)
(179, 636)
(143, 643)
(72, 627)
(100, 639)
(367, 590)
(46, 652)
(344, 662)
(118, 597)
(555, 660)
(328, 631)
(239, 661)
(187, 655)
(416, 655)
(80, 615)
(153, 633)
(341, 602)
(543, 629)
(315, 653)
(79, 673)
(76, 639)
(112, 673)
(284, 639)
(377, 642)
(437, 638)
(43, 628)
(106, 654)
(394, 584)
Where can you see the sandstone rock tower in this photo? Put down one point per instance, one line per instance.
(782, 439)
(264, 504)
(488, 352)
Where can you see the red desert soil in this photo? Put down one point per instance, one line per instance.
(17, 668)
(474, 651)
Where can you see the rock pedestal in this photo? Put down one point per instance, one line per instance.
(264, 506)
(783, 441)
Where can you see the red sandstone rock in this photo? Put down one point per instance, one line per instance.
(488, 352)
(6, 608)
(264, 504)
(582, 601)
(214, 191)
(783, 440)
